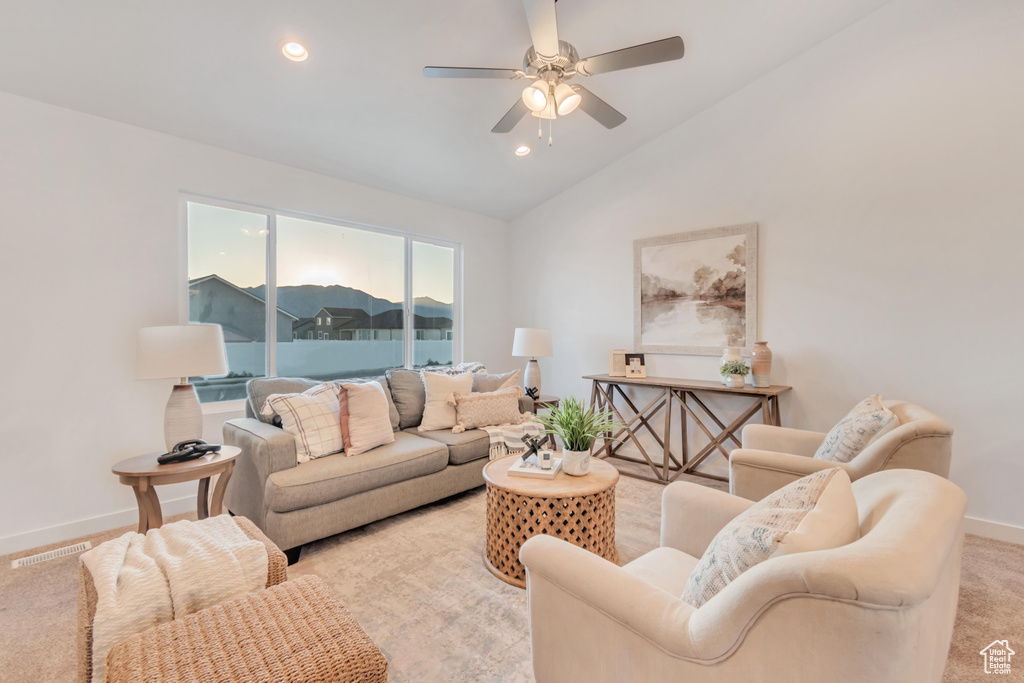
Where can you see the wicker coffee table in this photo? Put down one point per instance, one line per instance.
(580, 510)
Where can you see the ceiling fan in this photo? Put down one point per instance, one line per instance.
(550, 63)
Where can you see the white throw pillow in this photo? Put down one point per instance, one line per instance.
(364, 417)
(817, 512)
(439, 409)
(487, 409)
(868, 420)
(311, 418)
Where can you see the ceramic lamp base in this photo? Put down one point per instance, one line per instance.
(183, 419)
(532, 378)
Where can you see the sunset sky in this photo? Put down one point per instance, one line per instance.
(232, 244)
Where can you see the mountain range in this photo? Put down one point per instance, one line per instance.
(303, 301)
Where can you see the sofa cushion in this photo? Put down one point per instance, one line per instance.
(462, 448)
(817, 512)
(409, 395)
(869, 420)
(666, 568)
(483, 382)
(257, 390)
(365, 424)
(337, 476)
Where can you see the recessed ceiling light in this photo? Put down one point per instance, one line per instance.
(295, 52)
(522, 151)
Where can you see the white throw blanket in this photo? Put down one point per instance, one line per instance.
(181, 568)
(508, 439)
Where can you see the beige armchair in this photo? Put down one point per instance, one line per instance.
(879, 609)
(772, 457)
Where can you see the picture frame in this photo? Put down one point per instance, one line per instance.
(617, 363)
(636, 366)
(695, 293)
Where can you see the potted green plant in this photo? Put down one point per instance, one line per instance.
(733, 372)
(577, 427)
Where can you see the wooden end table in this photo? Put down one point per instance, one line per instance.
(580, 510)
(143, 472)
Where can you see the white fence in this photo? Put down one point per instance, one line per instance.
(334, 358)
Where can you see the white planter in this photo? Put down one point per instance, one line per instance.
(732, 353)
(575, 463)
(733, 381)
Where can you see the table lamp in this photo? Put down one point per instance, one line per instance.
(181, 351)
(532, 342)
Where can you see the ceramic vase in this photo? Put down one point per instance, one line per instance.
(761, 364)
(731, 353)
(575, 463)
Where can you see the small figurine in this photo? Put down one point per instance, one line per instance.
(532, 446)
(533, 392)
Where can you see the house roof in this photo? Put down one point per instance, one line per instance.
(393, 320)
(218, 278)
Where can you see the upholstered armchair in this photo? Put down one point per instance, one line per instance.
(878, 609)
(772, 457)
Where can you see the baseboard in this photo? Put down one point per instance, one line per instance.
(996, 530)
(84, 527)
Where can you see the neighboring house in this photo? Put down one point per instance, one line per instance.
(304, 329)
(389, 326)
(328, 322)
(212, 299)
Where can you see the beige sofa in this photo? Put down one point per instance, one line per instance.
(297, 504)
(879, 609)
(772, 457)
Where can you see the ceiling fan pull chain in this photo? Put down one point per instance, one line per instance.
(551, 139)
(540, 129)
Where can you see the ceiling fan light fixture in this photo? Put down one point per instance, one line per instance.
(566, 99)
(295, 52)
(535, 96)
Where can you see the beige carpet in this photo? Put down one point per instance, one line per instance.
(417, 585)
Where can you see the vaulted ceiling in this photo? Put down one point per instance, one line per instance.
(360, 109)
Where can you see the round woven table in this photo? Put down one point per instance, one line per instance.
(580, 510)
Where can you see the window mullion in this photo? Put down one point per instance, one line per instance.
(271, 346)
(408, 332)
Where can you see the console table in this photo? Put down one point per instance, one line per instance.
(684, 393)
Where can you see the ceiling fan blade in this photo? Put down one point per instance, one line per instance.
(540, 15)
(509, 120)
(470, 72)
(599, 110)
(639, 55)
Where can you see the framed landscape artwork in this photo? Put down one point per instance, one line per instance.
(696, 292)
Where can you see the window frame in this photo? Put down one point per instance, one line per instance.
(271, 214)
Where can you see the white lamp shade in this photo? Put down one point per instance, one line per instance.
(180, 351)
(533, 342)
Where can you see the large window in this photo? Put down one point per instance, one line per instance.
(342, 300)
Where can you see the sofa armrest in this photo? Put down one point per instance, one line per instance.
(265, 449)
(782, 439)
(691, 515)
(754, 474)
(526, 405)
(558, 571)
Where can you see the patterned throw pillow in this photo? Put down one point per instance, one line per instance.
(487, 409)
(438, 412)
(868, 420)
(817, 512)
(363, 410)
(312, 418)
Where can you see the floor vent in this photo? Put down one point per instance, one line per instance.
(51, 555)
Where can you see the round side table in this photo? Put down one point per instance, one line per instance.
(143, 472)
(580, 510)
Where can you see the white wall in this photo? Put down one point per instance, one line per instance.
(886, 168)
(90, 227)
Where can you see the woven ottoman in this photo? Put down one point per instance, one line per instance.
(297, 631)
(277, 572)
